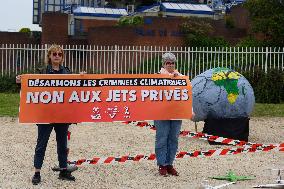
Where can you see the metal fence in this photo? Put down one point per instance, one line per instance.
(17, 59)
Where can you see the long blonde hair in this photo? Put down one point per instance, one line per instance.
(51, 49)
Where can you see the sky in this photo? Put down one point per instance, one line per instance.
(17, 14)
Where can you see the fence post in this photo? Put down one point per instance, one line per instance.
(45, 52)
(114, 61)
(265, 66)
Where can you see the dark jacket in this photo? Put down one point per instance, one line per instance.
(48, 70)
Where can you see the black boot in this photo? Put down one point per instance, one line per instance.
(66, 175)
(36, 179)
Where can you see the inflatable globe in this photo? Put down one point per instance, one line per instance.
(221, 93)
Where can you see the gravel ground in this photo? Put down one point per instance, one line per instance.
(17, 143)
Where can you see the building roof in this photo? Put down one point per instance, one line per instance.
(239, 1)
(150, 8)
(175, 8)
(187, 8)
(99, 12)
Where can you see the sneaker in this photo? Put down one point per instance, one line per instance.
(171, 170)
(70, 168)
(66, 175)
(163, 170)
(36, 179)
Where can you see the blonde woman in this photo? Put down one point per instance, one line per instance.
(54, 60)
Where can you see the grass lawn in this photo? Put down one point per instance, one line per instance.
(268, 110)
(9, 106)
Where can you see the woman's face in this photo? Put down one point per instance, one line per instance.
(56, 57)
(169, 66)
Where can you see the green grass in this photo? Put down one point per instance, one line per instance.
(9, 106)
(268, 110)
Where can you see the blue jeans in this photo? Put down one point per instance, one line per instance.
(166, 145)
(44, 131)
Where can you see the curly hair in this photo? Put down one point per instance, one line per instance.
(168, 57)
(53, 48)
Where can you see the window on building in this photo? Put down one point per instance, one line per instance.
(54, 5)
(50, 8)
(36, 9)
(35, 20)
(57, 8)
(77, 27)
(92, 3)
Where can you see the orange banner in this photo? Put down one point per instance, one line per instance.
(103, 98)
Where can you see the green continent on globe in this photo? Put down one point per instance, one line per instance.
(228, 79)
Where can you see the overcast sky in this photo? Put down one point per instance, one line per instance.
(16, 14)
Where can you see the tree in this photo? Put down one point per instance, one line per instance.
(130, 21)
(25, 30)
(196, 32)
(268, 17)
(196, 26)
(250, 41)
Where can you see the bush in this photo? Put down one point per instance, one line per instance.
(25, 30)
(268, 87)
(130, 21)
(196, 32)
(37, 35)
(205, 41)
(123, 21)
(250, 42)
(137, 20)
(8, 84)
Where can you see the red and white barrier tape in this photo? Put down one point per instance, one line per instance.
(204, 136)
(198, 153)
(246, 147)
(141, 124)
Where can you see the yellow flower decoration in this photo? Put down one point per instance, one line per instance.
(218, 76)
(222, 74)
(234, 75)
(232, 98)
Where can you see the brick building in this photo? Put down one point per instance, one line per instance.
(86, 22)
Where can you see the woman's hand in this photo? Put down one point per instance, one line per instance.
(18, 78)
(175, 74)
(192, 116)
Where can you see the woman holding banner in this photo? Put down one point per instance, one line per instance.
(167, 131)
(54, 60)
